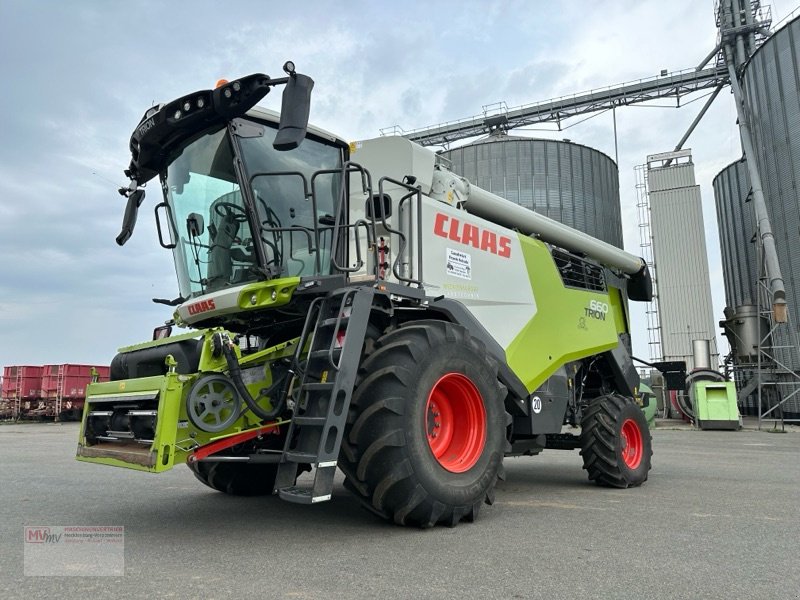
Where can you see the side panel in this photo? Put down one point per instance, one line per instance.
(570, 323)
(479, 264)
(510, 283)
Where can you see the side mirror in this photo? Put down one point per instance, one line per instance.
(195, 225)
(131, 213)
(295, 108)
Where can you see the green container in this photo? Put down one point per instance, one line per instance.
(715, 405)
(649, 404)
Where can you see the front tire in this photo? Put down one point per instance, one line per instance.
(425, 435)
(242, 478)
(236, 479)
(616, 444)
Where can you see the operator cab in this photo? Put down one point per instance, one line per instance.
(223, 240)
(248, 196)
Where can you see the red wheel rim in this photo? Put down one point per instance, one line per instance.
(455, 421)
(632, 447)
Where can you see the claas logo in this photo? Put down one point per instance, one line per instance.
(201, 307)
(471, 235)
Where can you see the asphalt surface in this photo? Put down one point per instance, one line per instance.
(717, 519)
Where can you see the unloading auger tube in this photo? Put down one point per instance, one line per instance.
(484, 204)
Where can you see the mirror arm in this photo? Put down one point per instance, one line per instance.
(135, 197)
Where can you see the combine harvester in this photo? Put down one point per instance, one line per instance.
(360, 306)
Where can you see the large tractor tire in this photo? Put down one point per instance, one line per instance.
(615, 442)
(236, 478)
(426, 429)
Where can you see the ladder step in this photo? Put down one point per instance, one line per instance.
(300, 457)
(316, 421)
(323, 354)
(301, 495)
(332, 321)
(317, 387)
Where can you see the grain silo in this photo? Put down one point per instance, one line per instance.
(685, 309)
(737, 230)
(771, 90)
(771, 87)
(573, 184)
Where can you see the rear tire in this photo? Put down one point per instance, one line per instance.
(425, 434)
(616, 444)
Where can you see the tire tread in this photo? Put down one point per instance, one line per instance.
(599, 442)
(373, 460)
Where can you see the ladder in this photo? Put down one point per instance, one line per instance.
(18, 395)
(59, 391)
(336, 326)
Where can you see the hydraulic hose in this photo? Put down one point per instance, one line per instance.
(235, 373)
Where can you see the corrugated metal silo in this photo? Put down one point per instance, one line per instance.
(771, 89)
(771, 86)
(737, 228)
(573, 184)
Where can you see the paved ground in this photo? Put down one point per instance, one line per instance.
(717, 519)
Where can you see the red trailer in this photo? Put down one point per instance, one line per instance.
(64, 387)
(22, 386)
(22, 382)
(29, 380)
(5, 386)
(6, 407)
(48, 391)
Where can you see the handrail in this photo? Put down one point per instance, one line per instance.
(348, 168)
(413, 192)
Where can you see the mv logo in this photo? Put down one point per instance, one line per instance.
(41, 535)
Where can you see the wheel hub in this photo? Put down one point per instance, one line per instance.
(631, 443)
(455, 422)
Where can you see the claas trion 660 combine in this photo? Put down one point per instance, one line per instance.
(361, 306)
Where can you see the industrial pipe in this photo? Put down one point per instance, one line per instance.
(776, 286)
(504, 212)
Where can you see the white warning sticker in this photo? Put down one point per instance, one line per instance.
(459, 264)
(252, 375)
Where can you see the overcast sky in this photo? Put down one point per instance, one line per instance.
(77, 76)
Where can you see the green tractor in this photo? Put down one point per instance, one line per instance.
(360, 306)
